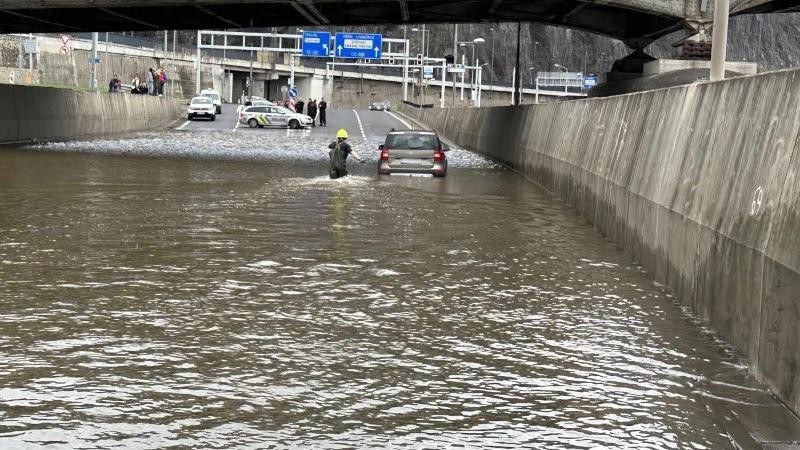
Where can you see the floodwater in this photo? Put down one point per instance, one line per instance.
(230, 296)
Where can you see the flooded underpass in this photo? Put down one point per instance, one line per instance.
(213, 289)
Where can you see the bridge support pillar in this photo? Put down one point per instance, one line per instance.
(719, 39)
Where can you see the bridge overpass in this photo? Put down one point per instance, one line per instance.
(636, 22)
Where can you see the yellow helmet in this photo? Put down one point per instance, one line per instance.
(341, 134)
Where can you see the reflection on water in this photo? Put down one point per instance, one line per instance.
(153, 302)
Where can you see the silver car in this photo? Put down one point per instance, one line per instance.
(380, 106)
(413, 152)
(272, 116)
(253, 103)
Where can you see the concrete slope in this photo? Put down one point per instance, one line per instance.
(698, 183)
(32, 113)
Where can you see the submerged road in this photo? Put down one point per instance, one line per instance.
(210, 287)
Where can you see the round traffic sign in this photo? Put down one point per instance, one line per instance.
(284, 89)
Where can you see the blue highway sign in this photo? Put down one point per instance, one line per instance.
(357, 45)
(590, 81)
(316, 43)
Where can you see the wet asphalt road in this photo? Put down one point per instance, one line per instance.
(358, 123)
(210, 287)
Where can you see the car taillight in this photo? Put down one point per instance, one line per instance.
(438, 155)
(384, 155)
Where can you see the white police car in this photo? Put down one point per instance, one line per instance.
(273, 116)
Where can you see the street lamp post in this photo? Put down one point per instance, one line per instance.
(473, 43)
(422, 30)
(424, 54)
(566, 86)
(602, 58)
(533, 86)
(455, 60)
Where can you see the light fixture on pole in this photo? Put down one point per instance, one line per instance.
(472, 43)
(423, 52)
(533, 86)
(423, 31)
(566, 82)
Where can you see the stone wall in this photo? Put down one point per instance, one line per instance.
(697, 183)
(33, 113)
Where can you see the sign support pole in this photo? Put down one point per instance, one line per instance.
(30, 57)
(291, 74)
(93, 83)
(479, 77)
(517, 76)
(463, 63)
(444, 83)
(197, 66)
(405, 73)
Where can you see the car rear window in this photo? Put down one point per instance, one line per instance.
(412, 141)
(200, 100)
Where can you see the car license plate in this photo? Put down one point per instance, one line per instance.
(414, 162)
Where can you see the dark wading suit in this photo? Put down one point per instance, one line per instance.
(340, 150)
(312, 112)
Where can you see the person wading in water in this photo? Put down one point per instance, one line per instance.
(340, 150)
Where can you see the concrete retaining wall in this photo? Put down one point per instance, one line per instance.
(698, 183)
(33, 113)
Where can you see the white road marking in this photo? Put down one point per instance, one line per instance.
(360, 125)
(408, 125)
(237, 126)
(184, 125)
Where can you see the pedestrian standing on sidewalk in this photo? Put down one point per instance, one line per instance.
(298, 107)
(161, 81)
(312, 112)
(148, 78)
(323, 108)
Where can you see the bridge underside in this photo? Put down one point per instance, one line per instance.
(636, 27)
(765, 6)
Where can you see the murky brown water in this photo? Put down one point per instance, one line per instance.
(149, 303)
